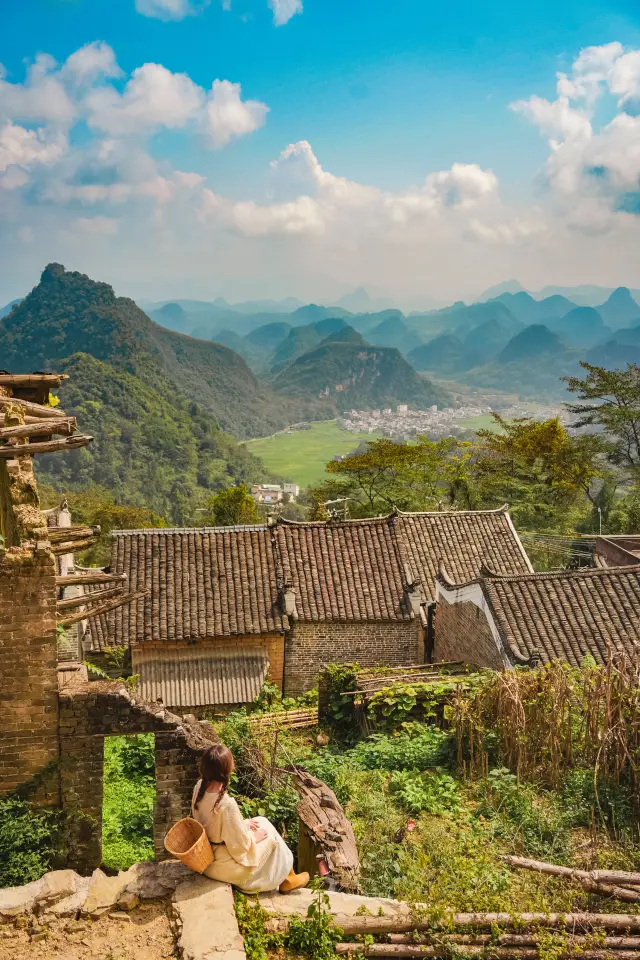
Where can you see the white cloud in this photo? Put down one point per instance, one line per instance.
(22, 147)
(90, 63)
(227, 116)
(42, 97)
(463, 185)
(283, 10)
(167, 9)
(154, 97)
(95, 226)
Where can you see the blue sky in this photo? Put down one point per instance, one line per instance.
(385, 96)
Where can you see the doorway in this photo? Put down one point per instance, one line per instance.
(129, 794)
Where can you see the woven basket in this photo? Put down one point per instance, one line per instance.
(188, 842)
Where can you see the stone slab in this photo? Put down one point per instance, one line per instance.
(151, 881)
(104, 892)
(40, 895)
(70, 906)
(204, 921)
(342, 904)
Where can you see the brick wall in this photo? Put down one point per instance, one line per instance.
(92, 711)
(308, 646)
(463, 633)
(28, 677)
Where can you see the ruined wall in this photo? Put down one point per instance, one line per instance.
(89, 713)
(463, 633)
(28, 679)
(308, 646)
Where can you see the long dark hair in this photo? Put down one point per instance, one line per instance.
(216, 766)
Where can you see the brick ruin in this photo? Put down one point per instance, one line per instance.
(53, 722)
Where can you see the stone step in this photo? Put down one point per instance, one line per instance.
(204, 922)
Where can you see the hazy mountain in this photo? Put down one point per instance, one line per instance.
(67, 313)
(299, 340)
(346, 335)
(330, 325)
(581, 327)
(9, 307)
(620, 310)
(444, 355)
(534, 341)
(353, 375)
(630, 335)
(394, 332)
(508, 286)
(360, 301)
(484, 342)
(585, 295)
(288, 305)
(269, 336)
(528, 310)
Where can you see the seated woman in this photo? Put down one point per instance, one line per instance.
(250, 854)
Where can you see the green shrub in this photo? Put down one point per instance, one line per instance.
(280, 806)
(316, 935)
(129, 796)
(30, 841)
(434, 793)
(416, 747)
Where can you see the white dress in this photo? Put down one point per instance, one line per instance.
(238, 859)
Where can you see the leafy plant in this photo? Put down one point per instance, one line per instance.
(30, 841)
(316, 935)
(434, 793)
(129, 796)
(251, 917)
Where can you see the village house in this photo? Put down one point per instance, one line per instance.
(505, 621)
(227, 607)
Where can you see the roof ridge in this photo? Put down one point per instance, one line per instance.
(440, 513)
(559, 574)
(234, 528)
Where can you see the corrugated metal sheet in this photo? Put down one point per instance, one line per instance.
(195, 677)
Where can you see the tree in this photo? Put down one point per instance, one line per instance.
(614, 406)
(231, 507)
(424, 475)
(539, 469)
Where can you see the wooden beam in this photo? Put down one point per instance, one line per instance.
(102, 608)
(73, 546)
(86, 598)
(47, 446)
(32, 379)
(35, 409)
(97, 576)
(40, 428)
(64, 534)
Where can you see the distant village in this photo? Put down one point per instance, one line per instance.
(403, 423)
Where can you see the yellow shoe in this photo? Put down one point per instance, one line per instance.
(294, 881)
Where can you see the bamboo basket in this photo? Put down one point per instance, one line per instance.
(188, 843)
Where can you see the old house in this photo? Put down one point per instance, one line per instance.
(503, 621)
(227, 607)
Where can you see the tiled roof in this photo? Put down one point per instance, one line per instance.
(567, 614)
(463, 541)
(199, 676)
(201, 583)
(354, 570)
(98, 631)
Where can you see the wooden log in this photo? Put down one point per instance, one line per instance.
(46, 446)
(597, 876)
(32, 379)
(39, 428)
(497, 953)
(73, 546)
(86, 598)
(87, 577)
(567, 922)
(583, 877)
(35, 409)
(102, 608)
(60, 534)
(509, 940)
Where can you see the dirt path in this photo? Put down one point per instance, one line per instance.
(143, 935)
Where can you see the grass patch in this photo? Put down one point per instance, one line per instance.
(301, 456)
(129, 796)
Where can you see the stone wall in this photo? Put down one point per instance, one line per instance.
(309, 646)
(89, 713)
(28, 675)
(463, 633)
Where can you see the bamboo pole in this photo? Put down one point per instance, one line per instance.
(597, 876)
(35, 409)
(32, 379)
(509, 940)
(73, 546)
(46, 446)
(583, 877)
(97, 576)
(103, 608)
(86, 598)
(621, 922)
(65, 425)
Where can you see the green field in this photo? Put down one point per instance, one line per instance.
(301, 456)
(485, 422)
